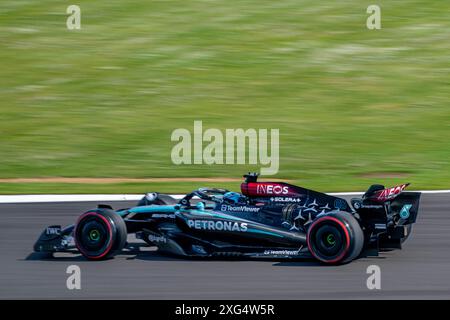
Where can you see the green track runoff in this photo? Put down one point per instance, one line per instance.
(353, 106)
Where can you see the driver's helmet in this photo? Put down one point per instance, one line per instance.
(233, 198)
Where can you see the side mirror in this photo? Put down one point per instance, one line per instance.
(356, 203)
(151, 196)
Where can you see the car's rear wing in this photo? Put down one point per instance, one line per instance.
(382, 195)
(395, 205)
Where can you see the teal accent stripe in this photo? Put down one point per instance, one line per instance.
(122, 212)
(265, 232)
(217, 215)
(150, 209)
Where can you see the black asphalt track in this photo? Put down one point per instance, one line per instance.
(420, 271)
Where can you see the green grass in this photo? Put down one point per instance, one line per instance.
(103, 101)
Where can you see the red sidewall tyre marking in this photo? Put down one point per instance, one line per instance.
(347, 238)
(110, 231)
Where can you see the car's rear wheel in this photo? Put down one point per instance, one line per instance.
(335, 238)
(100, 234)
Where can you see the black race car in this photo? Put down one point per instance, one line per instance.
(266, 220)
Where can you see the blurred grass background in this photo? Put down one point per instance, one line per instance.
(354, 106)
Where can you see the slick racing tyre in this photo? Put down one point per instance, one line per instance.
(335, 238)
(100, 234)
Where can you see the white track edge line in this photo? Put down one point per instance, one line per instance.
(125, 197)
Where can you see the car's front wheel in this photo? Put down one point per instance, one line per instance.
(100, 234)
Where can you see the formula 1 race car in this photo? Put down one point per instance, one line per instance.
(266, 220)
